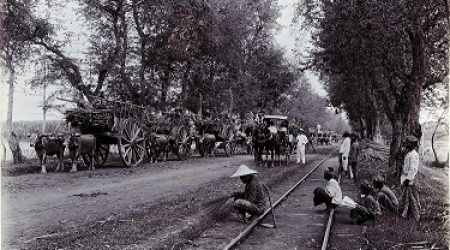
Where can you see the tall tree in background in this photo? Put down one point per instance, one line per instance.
(15, 51)
(386, 51)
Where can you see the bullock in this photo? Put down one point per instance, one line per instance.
(82, 145)
(48, 145)
(158, 144)
(206, 140)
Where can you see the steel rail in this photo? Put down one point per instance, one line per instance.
(326, 236)
(258, 220)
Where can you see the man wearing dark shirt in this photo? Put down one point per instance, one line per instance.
(252, 200)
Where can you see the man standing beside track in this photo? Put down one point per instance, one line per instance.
(410, 196)
(354, 156)
(345, 151)
(252, 200)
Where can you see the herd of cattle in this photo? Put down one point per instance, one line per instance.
(172, 132)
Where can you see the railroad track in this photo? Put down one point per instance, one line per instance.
(239, 239)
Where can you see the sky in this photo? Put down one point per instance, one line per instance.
(28, 101)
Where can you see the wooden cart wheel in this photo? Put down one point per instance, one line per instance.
(131, 142)
(102, 152)
(181, 143)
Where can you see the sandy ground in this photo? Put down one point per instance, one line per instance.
(35, 204)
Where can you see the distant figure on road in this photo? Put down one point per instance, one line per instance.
(250, 203)
(410, 196)
(384, 195)
(345, 151)
(354, 156)
(302, 140)
(331, 195)
(370, 207)
(273, 129)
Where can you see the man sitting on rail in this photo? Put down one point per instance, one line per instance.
(331, 195)
(252, 200)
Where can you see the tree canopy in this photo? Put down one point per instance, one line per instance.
(378, 58)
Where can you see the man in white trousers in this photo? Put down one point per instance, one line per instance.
(345, 151)
(302, 140)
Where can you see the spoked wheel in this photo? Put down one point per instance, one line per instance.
(131, 143)
(102, 152)
(181, 143)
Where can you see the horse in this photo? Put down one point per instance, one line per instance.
(260, 135)
(206, 139)
(48, 145)
(269, 143)
(157, 145)
(82, 145)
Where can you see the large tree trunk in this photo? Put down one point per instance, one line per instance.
(11, 137)
(406, 122)
(396, 153)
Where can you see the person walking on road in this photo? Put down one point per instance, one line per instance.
(250, 203)
(410, 196)
(344, 152)
(331, 195)
(302, 140)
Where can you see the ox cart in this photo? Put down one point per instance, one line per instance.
(112, 122)
(167, 133)
(214, 134)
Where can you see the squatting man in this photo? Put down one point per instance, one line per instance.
(252, 202)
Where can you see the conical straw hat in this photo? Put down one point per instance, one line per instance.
(243, 170)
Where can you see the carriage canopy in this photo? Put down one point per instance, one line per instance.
(275, 117)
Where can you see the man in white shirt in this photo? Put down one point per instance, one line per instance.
(410, 196)
(332, 194)
(345, 151)
(302, 140)
(273, 129)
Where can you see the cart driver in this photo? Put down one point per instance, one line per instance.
(273, 129)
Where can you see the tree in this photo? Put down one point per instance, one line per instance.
(15, 50)
(390, 51)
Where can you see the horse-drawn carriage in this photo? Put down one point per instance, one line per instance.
(272, 137)
(111, 122)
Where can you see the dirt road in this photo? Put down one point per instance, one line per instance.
(115, 207)
(37, 205)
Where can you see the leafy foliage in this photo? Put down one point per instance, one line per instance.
(378, 57)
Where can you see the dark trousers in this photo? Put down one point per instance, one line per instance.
(244, 206)
(321, 196)
(353, 166)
